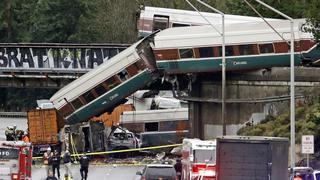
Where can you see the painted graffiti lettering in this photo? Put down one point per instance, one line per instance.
(26, 57)
(95, 57)
(40, 53)
(12, 57)
(63, 58)
(3, 58)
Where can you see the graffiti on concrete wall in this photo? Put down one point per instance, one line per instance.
(61, 58)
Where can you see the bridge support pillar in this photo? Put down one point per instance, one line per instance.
(246, 89)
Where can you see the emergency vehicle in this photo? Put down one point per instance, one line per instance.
(198, 159)
(15, 160)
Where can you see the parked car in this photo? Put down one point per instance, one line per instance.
(158, 171)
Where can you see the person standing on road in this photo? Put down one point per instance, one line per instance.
(84, 166)
(67, 163)
(178, 168)
(56, 163)
(47, 159)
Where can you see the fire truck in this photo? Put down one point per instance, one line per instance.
(15, 160)
(198, 159)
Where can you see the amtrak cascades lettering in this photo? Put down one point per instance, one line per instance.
(240, 63)
(63, 58)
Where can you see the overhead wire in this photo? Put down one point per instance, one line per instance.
(257, 12)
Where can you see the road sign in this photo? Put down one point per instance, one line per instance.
(307, 144)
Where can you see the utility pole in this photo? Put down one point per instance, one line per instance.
(292, 100)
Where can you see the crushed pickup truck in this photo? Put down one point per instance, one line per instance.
(121, 138)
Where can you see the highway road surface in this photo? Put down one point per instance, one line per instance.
(96, 172)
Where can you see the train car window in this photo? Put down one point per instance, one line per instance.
(229, 51)
(245, 49)
(100, 89)
(281, 47)
(160, 22)
(266, 48)
(66, 110)
(77, 103)
(88, 96)
(123, 75)
(140, 65)
(112, 82)
(186, 53)
(180, 25)
(151, 126)
(132, 69)
(206, 52)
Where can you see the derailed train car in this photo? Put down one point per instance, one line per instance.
(152, 19)
(249, 46)
(107, 86)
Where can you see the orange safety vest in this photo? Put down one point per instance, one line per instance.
(25, 139)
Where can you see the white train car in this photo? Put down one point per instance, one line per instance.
(251, 45)
(108, 85)
(154, 18)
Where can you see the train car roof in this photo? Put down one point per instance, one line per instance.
(252, 32)
(193, 17)
(87, 79)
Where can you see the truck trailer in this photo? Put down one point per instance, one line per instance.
(252, 158)
(44, 126)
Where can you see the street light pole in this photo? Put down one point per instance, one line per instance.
(223, 85)
(292, 100)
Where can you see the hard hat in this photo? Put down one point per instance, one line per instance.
(49, 149)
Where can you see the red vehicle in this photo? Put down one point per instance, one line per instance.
(15, 160)
(198, 159)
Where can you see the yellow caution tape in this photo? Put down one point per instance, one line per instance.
(73, 146)
(121, 151)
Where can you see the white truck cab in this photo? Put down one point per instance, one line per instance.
(198, 159)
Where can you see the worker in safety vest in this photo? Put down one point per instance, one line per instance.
(25, 137)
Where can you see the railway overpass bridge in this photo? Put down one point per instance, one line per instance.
(50, 65)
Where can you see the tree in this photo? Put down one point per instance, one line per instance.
(63, 21)
(115, 21)
(15, 18)
(314, 19)
(293, 8)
